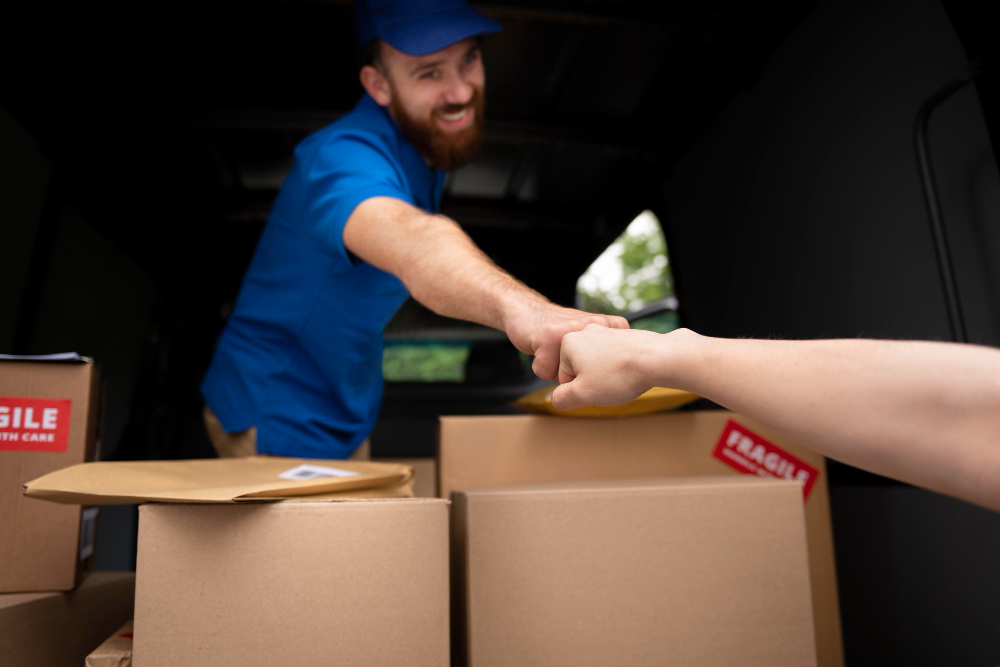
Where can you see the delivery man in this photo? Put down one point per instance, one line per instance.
(354, 231)
(926, 413)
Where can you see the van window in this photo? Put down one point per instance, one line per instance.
(632, 278)
(424, 361)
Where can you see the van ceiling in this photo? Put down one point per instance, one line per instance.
(172, 125)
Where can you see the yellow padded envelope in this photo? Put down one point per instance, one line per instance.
(655, 400)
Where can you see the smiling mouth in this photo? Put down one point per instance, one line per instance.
(456, 119)
(458, 115)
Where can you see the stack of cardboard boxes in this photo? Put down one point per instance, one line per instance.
(264, 560)
(584, 542)
(49, 419)
(492, 451)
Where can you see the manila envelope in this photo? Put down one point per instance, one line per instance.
(254, 478)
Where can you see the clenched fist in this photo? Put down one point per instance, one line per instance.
(538, 329)
(602, 366)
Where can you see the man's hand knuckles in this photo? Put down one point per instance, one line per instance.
(557, 329)
(544, 368)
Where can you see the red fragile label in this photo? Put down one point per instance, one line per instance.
(741, 448)
(34, 424)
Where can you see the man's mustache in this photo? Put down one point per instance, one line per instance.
(455, 108)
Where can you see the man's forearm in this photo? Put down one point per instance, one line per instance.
(439, 264)
(922, 412)
(444, 270)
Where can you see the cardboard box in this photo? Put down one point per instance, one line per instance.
(48, 420)
(490, 451)
(424, 475)
(116, 651)
(60, 629)
(293, 583)
(693, 571)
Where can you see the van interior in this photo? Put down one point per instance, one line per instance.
(774, 144)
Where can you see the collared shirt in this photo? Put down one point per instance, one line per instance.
(300, 357)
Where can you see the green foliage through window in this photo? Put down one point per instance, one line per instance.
(632, 274)
(424, 361)
(662, 322)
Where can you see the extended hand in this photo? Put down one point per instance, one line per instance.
(538, 329)
(600, 366)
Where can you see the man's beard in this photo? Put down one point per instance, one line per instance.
(444, 150)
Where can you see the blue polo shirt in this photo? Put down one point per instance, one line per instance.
(301, 355)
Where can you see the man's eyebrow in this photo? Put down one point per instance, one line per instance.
(436, 63)
(426, 66)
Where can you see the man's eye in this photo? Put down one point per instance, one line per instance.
(472, 57)
(432, 74)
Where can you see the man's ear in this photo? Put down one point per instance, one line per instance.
(376, 85)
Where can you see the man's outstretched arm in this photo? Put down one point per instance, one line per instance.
(923, 412)
(445, 271)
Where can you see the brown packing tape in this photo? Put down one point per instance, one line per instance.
(210, 480)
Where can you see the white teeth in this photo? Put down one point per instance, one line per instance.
(452, 117)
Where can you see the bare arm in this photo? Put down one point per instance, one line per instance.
(922, 412)
(444, 270)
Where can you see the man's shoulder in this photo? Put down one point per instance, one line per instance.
(366, 126)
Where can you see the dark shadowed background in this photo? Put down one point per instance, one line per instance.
(143, 145)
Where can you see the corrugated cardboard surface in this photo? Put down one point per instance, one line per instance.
(116, 651)
(424, 475)
(293, 583)
(212, 480)
(708, 571)
(40, 542)
(478, 452)
(60, 629)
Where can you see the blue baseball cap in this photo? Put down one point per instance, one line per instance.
(419, 28)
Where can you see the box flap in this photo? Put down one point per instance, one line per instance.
(630, 486)
(63, 357)
(212, 480)
(116, 651)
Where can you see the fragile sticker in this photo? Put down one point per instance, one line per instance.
(747, 452)
(34, 424)
(308, 471)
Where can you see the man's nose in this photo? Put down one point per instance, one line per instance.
(458, 90)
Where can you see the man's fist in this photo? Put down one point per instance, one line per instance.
(601, 366)
(538, 329)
